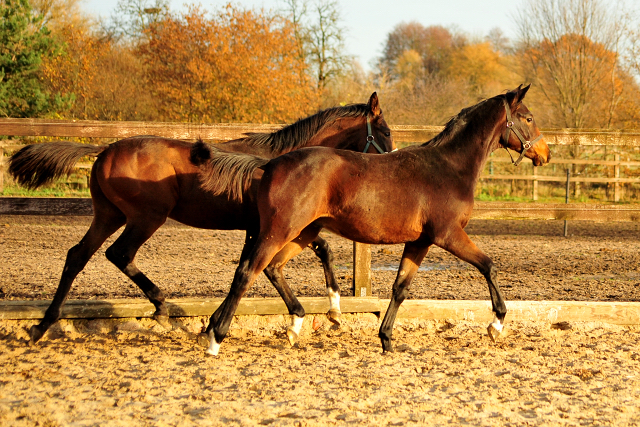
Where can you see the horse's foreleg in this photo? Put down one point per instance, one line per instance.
(412, 256)
(122, 253)
(461, 246)
(246, 273)
(323, 251)
(77, 258)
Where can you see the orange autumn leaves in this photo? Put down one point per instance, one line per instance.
(233, 66)
(230, 66)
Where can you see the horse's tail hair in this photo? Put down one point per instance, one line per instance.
(225, 172)
(38, 164)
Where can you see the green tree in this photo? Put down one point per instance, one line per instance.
(23, 43)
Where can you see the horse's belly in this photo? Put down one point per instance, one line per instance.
(219, 215)
(371, 231)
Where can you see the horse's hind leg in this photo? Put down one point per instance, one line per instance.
(461, 246)
(122, 253)
(77, 257)
(274, 272)
(412, 256)
(323, 251)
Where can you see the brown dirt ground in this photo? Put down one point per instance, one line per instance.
(134, 372)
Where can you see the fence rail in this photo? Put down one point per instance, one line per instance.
(482, 210)
(228, 131)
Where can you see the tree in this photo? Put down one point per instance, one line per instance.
(320, 36)
(102, 80)
(23, 43)
(569, 48)
(433, 44)
(57, 13)
(133, 17)
(481, 68)
(237, 66)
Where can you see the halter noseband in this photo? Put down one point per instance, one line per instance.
(513, 126)
(371, 140)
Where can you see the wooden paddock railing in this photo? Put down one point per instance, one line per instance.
(402, 135)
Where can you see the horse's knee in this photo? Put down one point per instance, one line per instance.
(75, 260)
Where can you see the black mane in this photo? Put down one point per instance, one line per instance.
(456, 124)
(299, 133)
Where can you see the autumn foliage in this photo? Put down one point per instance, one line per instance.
(235, 66)
(247, 65)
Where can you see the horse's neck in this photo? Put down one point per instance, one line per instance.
(468, 152)
(342, 134)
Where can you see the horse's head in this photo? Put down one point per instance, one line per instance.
(366, 131)
(521, 133)
(378, 138)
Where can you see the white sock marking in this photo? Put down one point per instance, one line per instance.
(296, 324)
(497, 324)
(334, 300)
(214, 347)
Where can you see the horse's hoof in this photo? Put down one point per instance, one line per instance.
(213, 349)
(386, 345)
(163, 320)
(335, 316)
(292, 335)
(203, 339)
(35, 334)
(493, 332)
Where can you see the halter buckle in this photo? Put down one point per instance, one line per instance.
(509, 124)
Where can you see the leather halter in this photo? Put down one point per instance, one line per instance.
(513, 126)
(371, 140)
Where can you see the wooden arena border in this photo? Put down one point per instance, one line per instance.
(619, 313)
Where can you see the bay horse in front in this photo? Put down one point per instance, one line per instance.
(420, 196)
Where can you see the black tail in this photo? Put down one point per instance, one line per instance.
(38, 164)
(224, 172)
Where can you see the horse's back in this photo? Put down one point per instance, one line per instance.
(144, 171)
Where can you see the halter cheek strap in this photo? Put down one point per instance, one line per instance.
(371, 140)
(511, 126)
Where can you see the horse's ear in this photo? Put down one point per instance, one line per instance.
(516, 96)
(522, 91)
(373, 105)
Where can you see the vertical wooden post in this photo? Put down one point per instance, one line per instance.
(1, 168)
(535, 184)
(616, 185)
(361, 270)
(566, 200)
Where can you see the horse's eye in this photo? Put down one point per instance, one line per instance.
(529, 119)
(387, 134)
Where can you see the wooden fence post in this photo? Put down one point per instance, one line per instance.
(1, 168)
(616, 185)
(361, 270)
(535, 184)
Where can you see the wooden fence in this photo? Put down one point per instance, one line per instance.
(401, 134)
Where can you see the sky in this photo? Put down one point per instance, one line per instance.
(367, 23)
